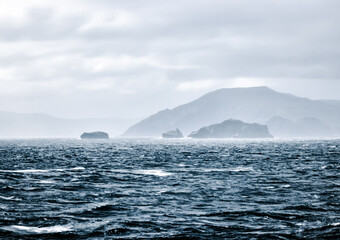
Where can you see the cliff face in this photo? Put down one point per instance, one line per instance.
(258, 104)
(232, 129)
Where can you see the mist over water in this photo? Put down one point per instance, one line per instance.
(167, 189)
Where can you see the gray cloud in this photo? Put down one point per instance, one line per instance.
(118, 57)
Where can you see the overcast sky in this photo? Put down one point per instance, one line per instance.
(131, 58)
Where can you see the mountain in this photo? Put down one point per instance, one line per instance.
(305, 127)
(282, 127)
(257, 104)
(332, 102)
(232, 129)
(17, 125)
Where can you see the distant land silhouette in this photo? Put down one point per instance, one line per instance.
(17, 125)
(232, 128)
(95, 135)
(304, 127)
(286, 115)
(173, 134)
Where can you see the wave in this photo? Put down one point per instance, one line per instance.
(37, 171)
(161, 173)
(237, 169)
(38, 230)
(12, 198)
(84, 226)
(47, 182)
(155, 172)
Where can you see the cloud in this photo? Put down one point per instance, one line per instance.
(127, 54)
(195, 85)
(117, 19)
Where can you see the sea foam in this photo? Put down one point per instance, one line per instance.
(155, 172)
(38, 230)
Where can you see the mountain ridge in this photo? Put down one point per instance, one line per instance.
(256, 104)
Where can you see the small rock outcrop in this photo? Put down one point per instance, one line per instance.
(232, 129)
(94, 135)
(173, 134)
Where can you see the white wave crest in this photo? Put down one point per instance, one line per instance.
(78, 168)
(37, 171)
(237, 169)
(12, 198)
(156, 172)
(27, 171)
(26, 229)
(47, 182)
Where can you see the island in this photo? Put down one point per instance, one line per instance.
(94, 135)
(232, 129)
(173, 134)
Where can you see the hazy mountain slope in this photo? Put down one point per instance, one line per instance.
(303, 127)
(258, 104)
(332, 102)
(43, 125)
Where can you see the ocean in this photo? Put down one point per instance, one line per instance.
(169, 189)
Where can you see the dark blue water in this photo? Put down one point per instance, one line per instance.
(161, 189)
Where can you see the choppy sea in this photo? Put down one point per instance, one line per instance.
(169, 189)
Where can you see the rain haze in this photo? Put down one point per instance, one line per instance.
(130, 59)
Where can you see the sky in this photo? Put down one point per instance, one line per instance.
(132, 58)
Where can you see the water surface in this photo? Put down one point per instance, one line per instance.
(167, 189)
